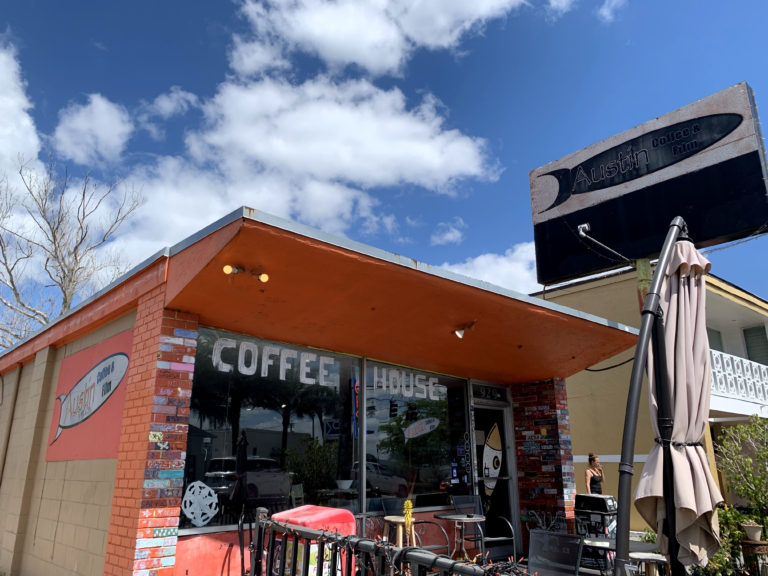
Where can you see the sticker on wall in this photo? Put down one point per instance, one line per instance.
(90, 394)
(420, 427)
(492, 456)
(200, 503)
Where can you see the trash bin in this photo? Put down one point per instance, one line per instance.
(337, 520)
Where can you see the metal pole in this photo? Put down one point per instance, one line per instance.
(666, 422)
(626, 465)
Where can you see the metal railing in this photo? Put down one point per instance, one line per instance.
(739, 378)
(280, 549)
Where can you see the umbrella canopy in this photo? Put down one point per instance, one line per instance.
(686, 347)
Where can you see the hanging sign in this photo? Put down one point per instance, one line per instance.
(704, 162)
(420, 427)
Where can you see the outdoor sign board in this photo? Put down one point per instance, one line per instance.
(90, 395)
(704, 162)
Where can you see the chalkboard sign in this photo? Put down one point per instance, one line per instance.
(554, 553)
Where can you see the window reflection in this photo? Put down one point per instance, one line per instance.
(275, 425)
(416, 444)
(270, 425)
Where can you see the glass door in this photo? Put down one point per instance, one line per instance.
(495, 468)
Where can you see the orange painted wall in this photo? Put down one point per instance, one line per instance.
(215, 554)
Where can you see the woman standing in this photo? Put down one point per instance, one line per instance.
(594, 475)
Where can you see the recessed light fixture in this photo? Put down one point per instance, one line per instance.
(459, 332)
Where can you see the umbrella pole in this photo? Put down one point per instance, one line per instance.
(666, 421)
(626, 465)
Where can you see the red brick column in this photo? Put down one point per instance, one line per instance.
(150, 468)
(545, 470)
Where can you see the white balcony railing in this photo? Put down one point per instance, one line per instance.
(739, 378)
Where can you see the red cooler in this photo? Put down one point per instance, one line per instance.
(336, 520)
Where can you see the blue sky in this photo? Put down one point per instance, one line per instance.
(410, 126)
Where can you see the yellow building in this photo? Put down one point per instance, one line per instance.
(737, 323)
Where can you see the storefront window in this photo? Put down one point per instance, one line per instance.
(270, 425)
(417, 443)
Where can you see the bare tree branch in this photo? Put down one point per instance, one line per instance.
(54, 234)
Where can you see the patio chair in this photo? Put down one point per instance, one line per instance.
(554, 553)
(498, 547)
(297, 495)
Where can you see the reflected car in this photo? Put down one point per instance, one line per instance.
(264, 477)
(381, 480)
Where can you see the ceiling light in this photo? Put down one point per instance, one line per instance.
(230, 269)
(263, 277)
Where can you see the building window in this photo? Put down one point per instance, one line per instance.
(757, 344)
(279, 418)
(417, 443)
(715, 339)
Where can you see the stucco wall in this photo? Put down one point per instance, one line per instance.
(54, 516)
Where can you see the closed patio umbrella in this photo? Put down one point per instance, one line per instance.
(679, 377)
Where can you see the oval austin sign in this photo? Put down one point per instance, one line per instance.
(643, 155)
(91, 392)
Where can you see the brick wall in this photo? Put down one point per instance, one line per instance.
(150, 468)
(545, 470)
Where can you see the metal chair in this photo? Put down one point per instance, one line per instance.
(554, 553)
(297, 495)
(499, 546)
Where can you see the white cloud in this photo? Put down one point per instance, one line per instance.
(607, 12)
(182, 197)
(175, 102)
(18, 136)
(557, 8)
(448, 233)
(93, 133)
(351, 132)
(252, 58)
(514, 270)
(377, 35)
(442, 23)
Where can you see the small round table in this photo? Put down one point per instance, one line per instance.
(459, 520)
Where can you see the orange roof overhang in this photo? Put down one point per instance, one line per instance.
(343, 296)
(339, 295)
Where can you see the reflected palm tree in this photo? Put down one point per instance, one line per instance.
(291, 399)
(317, 401)
(220, 396)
